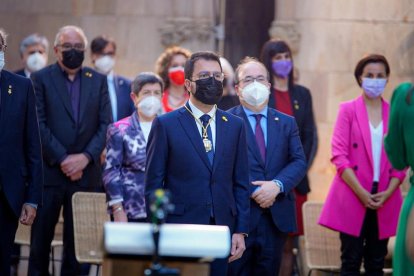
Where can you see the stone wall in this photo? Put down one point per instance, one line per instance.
(329, 38)
(142, 28)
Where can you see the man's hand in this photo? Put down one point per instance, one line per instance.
(266, 195)
(73, 164)
(76, 176)
(28, 214)
(237, 247)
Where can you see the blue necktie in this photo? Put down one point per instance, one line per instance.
(205, 119)
(260, 137)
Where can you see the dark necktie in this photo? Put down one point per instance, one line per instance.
(204, 119)
(260, 137)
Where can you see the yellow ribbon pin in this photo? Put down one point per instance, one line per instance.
(224, 118)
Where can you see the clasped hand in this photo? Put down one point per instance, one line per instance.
(266, 195)
(73, 165)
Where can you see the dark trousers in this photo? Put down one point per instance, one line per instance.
(43, 231)
(8, 227)
(218, 267)
(264, 247)
(367, 246)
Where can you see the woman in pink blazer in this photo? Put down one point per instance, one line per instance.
(364, 201)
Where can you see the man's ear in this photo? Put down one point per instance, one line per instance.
(187, 84)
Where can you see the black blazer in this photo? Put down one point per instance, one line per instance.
(301, 100)
(20, 153)
(60, 134)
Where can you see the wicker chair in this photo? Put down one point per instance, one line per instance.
(89, 216)
(22, 238)
(322, 246)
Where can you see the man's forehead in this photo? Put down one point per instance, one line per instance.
(206, 65)
(253, 67)
(71, 35)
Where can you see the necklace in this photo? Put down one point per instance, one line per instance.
(208, 145)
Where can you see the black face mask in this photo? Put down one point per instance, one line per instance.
(208, 91)
(73, 59)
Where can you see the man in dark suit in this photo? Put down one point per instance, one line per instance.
(199, 154)
(276, 164)
(20, 159)
(103, 55)
(74, 111)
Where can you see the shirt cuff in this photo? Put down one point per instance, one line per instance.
(115, 201)
(280, 185)
(31, 204)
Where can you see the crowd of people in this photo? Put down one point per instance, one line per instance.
(233, 147)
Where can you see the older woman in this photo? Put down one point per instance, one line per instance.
(124, 167)
(364, 200)
(170, 66)
(400, 148)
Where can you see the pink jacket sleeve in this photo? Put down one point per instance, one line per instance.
(340, 139)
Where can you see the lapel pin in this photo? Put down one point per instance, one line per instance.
(88, 74)
(9, 90)
(276, 118)
(296, 105)
(224, 118)
(121, 82)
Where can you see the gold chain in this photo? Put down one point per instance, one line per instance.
(204, 128)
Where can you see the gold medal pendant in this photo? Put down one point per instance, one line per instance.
(207, 144)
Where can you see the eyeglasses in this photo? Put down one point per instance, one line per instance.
(3, 47)
(250, 79)
(68, 46)
(205, 75)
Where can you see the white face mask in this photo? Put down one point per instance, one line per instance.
(255, 93)
(150, 106)
(105, 64)
(35, 62)
(1, 60)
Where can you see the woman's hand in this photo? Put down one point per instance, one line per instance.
(367, 199)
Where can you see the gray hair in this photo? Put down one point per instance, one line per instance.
(143, 79)
(3, 36)
(67, 28)
(33, 39)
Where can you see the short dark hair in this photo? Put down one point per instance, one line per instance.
(244, 61)
(269, 50)
(206, 55)
(143, 79)
(99, 43)
(371, 58)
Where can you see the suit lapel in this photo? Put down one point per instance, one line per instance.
(250, 137)
(189, 125)
(361, 114)
(273, 133)
(221, 133)
(4, 96)
(85, 91)
(60, 86)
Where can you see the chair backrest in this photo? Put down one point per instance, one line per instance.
(22, 235)
(89, 216)
(322, 245)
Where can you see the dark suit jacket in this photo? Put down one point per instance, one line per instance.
(20, 72)
(301, 100)
(177, 161)
(125, 106)
(21, 175)
(285, 161)
(60, 134)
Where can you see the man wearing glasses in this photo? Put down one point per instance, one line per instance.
(20, 159)
(199, 154)
(276, 165)
(74, 111)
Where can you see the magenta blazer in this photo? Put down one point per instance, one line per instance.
(351, 148)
